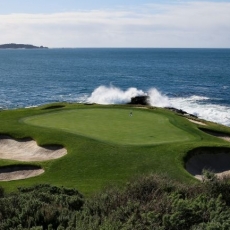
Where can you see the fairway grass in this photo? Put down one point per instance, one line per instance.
(119, 126)
(105, 145)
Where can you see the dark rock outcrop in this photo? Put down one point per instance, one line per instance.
(180, 111)
(139, 100)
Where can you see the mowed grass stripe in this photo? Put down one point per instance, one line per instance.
(114, 125)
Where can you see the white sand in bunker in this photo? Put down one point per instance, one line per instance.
(218, 163)
(19, 172)
(28, 150)
(197, 122)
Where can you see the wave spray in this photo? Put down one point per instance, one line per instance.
(196, 105)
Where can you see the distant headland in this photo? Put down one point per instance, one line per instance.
(21, 46)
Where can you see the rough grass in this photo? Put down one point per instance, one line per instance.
(98, 157)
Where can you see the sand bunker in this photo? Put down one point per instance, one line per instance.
(25, 150)
(28, 150)
(217, 134)
(219, 163)
(19, 172)
(197, 122)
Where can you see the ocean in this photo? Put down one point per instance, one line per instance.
(194, 80)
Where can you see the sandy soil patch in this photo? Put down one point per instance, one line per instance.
(197, 122)
(141, 107)
(218, 163)
(19, 172)
(28, 150)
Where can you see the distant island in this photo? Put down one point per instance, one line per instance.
(21, 46)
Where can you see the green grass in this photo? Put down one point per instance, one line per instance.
(114, 125)
(105, 145)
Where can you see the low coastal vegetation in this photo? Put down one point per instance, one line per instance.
(148, 202)
(106, 147)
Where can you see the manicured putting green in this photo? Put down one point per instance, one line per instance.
(114, 125)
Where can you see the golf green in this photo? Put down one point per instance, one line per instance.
(120, 126)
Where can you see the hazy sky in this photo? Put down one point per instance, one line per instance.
(120, 23)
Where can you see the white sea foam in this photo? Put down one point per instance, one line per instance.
(113, 95)
(157, 99)
(197, 105)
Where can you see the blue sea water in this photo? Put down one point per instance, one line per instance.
(195, 80)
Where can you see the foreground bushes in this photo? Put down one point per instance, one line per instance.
(46, 206)
(152, 202)
(155, 202)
